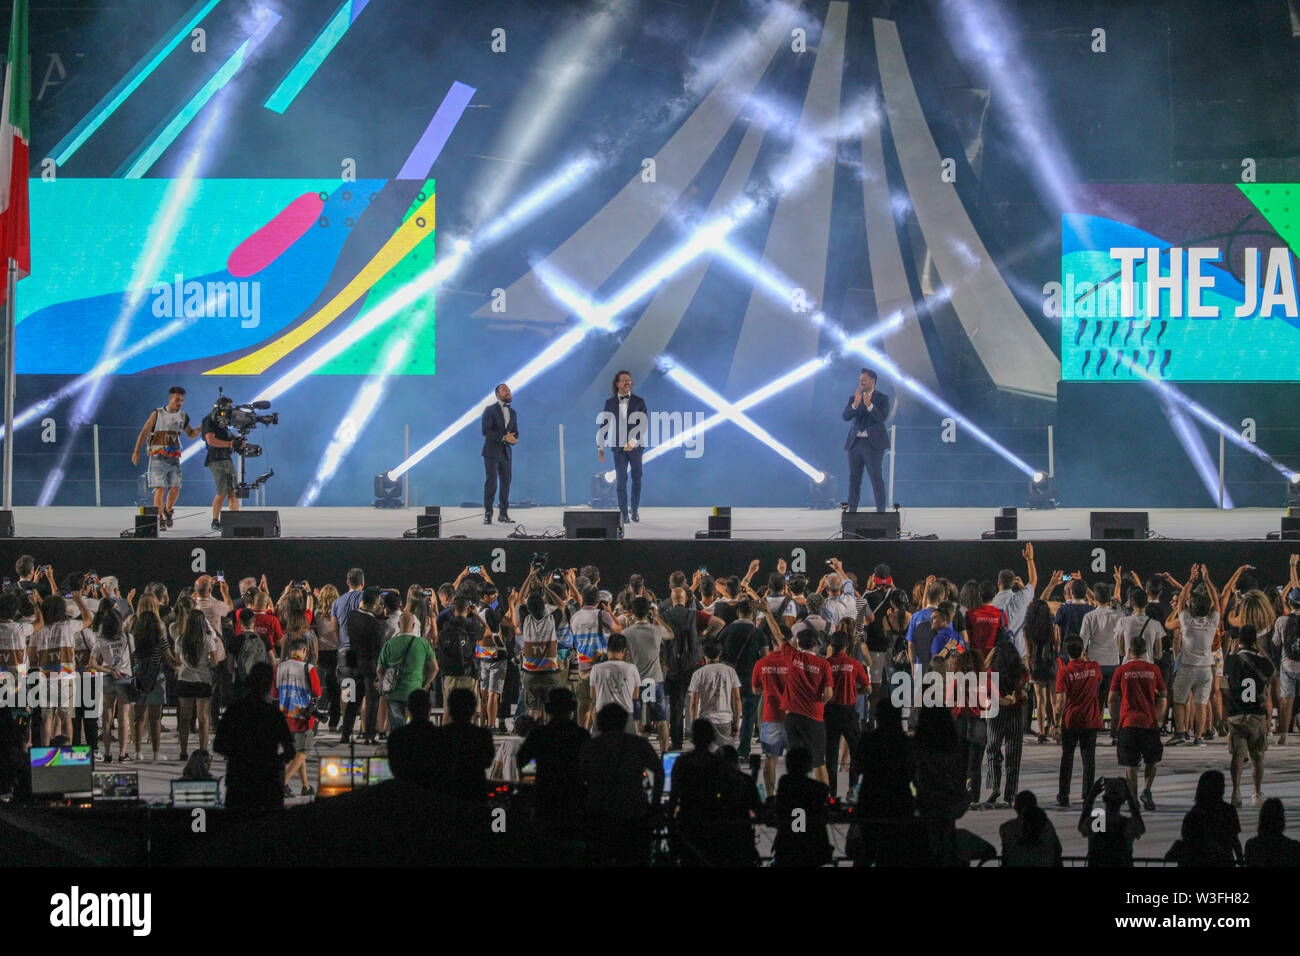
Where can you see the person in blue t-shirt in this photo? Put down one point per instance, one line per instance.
(942, 630)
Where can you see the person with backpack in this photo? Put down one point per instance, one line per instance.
(251, 649)
(1252, 688)
(457, 638)
(407, 663)
(682, 657)
(1286, 638)
(297, 685)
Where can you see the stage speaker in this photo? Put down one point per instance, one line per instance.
(146, 524)
(719, 524)
(1290, 529)
(870, 524)
(1006, 527)
(6, 524)
(250, 524)
(1118, 524)
(592, 524)
(429, 524)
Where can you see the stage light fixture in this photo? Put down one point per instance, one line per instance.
(1042, 491)
(1293, 490)
(604, 493)
(388, 493)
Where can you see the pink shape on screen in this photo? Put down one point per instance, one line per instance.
(267, 244)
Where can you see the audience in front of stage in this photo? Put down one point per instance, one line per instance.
(717, 653)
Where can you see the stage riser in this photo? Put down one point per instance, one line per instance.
(401, 562)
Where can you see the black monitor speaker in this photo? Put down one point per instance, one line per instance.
(429, 524)
(1118, 524)
(250, 524)
(6, 524)
(870, 524)
(592, 524)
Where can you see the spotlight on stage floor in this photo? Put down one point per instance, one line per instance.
(1293, 490)
(823, 495)
(603, 491)
(388, 493)
(1042, 491)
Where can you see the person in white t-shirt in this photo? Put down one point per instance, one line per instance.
(1193, 623)
(715, 695)
(616, 680)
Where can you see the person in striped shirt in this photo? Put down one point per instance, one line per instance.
(541, 640)
(53, 644)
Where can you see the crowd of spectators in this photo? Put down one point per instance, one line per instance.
(815, 685)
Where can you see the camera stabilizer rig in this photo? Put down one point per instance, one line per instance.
(242, 419)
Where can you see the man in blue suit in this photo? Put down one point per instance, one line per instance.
(624, 424)
(868, 438)
(500, 432)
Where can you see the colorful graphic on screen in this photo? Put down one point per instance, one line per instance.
(1181, 283)
(221, 276)
(60, 756)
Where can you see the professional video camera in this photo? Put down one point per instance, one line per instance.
(242, 419)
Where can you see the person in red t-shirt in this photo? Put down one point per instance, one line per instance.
(982, 623)
(769, 680)
(1137, 693)
(1076, 699)
(808, 687)
(848, 679)
(267, 623)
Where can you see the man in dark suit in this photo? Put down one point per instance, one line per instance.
(624, 425)
(500, 432)
(868, 439)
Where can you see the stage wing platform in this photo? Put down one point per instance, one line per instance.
(320, 544)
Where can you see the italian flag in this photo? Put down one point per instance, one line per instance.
(15, 132)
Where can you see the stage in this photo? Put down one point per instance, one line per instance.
(657, 524)
(321, 544)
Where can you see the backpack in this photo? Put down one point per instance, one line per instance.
(682, 654)
(456, 648)
(1291, 638)
(251, 652)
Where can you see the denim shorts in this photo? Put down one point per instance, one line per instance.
(772, 736)
(652, 706)
(164, 472)
(1290, 682)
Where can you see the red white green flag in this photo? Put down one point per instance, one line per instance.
(15, 134)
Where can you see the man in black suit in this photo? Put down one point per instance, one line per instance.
(623, 425)
(868, 439)
(500, 432)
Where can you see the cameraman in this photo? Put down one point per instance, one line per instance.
(220, 443)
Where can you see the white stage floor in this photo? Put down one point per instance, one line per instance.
(657, 523)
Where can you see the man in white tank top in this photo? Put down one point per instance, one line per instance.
(163, 430)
